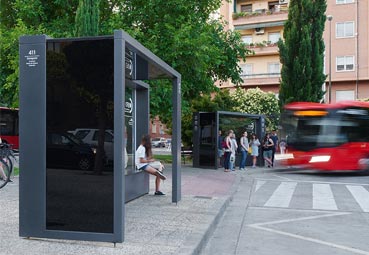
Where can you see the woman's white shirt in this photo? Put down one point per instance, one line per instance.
(140, 153)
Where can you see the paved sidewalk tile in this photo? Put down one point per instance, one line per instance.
(154, 225)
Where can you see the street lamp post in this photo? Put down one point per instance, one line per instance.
(330, 17)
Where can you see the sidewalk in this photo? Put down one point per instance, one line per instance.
(154, 225)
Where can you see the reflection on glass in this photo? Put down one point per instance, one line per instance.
(129, 123)
(80, 135)
(238, 124)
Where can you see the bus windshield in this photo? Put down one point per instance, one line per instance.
(336, 128)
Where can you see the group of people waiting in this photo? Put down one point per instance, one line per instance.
(228, 147)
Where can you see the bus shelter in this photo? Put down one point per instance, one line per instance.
(206, 127)
(92, 90)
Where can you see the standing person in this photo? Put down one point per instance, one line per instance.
(267, 149)
(144, 161)
(244, 143)
(254, 143)
(227, 150)
(220, 148)
(274, 137)
(234, 147)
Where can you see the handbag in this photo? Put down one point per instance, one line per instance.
(249, 150)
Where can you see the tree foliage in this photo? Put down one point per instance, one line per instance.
(302, 52)
(256, 101)
(180, 32)
(222, 101)
(87, 18)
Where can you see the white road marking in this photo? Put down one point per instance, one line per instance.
(361, 195)
(282, 177)
(282, 195)
(323, 197)
(299, 181)
(260, 226)
(259, 184)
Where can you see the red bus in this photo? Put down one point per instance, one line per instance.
(9, 126)
(327, 136)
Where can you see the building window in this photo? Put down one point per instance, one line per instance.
(274, 37)
(153, 128)
(345, 29)
(246, 8)
(344, 63)
(342, 95)
(273, 6)
(247, 39)
(246, 69)
(344, 1)
(273, 69)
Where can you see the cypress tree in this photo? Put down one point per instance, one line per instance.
(87, 18)
(302, 52)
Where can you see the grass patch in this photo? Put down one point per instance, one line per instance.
(164, 158)
(16, 171)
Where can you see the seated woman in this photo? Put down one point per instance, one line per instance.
(144, 161)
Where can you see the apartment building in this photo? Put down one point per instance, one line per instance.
(261, 22)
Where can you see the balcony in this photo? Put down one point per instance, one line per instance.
(261, 79)
(263, 48)
(248, 18)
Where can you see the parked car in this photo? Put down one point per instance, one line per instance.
(64, 150)
(158, 142)
(91, 135)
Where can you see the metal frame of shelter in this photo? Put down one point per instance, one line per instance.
(32, 192)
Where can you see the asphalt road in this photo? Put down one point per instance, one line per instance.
(276, 211)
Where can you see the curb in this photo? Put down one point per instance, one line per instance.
(203, 238)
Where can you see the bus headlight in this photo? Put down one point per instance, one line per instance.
(315, 159)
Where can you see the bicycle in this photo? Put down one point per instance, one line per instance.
(6, 163)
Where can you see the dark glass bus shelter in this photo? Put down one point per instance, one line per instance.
(206, 126)
(84, 103)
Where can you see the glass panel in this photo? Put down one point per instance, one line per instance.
(340, 30)
(274, 37)
(79, 184)
(247, 39)
(246, 8)
(246, 69)
(349, 29)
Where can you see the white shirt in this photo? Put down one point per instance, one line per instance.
(140, 153)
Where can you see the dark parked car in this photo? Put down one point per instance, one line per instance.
(64, 150)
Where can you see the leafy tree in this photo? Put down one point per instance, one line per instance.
(302, 52)
(87, 18)
(222, 101)
(180, 32)
(256, 101)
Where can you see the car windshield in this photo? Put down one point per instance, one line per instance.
(73, 138)
(156, 139)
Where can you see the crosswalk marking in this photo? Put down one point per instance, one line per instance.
(259, 184)
(323, 198)
(361, 196)
(282, 195)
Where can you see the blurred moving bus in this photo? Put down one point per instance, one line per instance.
(9, 126)
(327, 136)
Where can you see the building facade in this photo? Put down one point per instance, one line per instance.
(261, 23)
